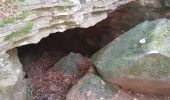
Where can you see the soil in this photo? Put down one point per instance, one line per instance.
(49, 84)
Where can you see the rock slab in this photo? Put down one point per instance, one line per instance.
(141, 55)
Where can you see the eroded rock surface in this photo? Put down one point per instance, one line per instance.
(38, 19)
(141, 55)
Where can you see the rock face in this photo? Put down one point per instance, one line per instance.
(91, 87)
(141, 55)
(36, 19)
(12, 85)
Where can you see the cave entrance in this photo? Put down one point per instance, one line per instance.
(39, 59)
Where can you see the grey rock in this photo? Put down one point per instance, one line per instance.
(141, 55)
(91, 87)
(69, 64)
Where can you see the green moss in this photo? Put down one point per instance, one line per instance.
(15, 1)
(13, 20)
(68, 1)
(24, 30)
(7, 21)
(155, 66)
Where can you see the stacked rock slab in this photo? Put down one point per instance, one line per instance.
(139, 59)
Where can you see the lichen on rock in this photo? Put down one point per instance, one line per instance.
(140, 54)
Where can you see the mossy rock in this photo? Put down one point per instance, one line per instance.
(92, 87)
(70, 64)
(167, 3)
(142, 53)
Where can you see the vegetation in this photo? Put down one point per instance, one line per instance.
(24, 30)
(13, 20)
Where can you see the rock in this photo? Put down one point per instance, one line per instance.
(34, 22)
(167, 3)
(24, 22)
(151, 3)
(12, 85)
(141, 55)
(70, 64)
(91, 87)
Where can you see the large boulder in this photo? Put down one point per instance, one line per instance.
(141, 55)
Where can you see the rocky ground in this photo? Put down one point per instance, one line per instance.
(47, 83)
(124, 57)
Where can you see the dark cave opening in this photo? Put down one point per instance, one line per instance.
(85, 41)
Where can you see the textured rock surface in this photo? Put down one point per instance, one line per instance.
(151, 3)
(140, 55)
(36, 19)
(91, 87)
(12, 86)
(167, 3)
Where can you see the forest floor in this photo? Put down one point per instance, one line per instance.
(7, 9)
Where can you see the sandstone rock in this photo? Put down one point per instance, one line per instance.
(12, 85)
(37, 19)
(91, 87)
(139, 59)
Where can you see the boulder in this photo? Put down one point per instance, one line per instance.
(139, 59)
(12, 85)
(91, 87)
(70, 64)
